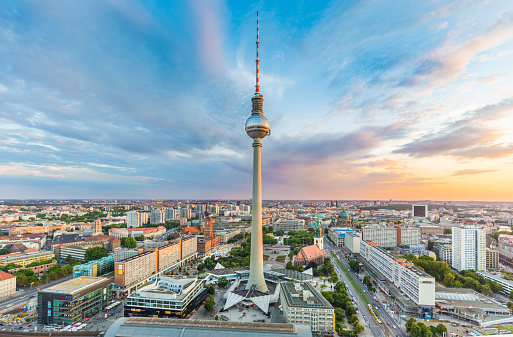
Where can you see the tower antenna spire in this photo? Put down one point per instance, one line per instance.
(257, 86)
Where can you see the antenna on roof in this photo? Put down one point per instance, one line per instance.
(257, 63)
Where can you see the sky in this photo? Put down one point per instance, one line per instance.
(385, 99)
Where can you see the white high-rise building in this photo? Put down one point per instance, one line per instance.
(156, 216)
(469, 248)
(132, 219)
(170, 214)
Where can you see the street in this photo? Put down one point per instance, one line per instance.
(24, 296)
(369, 320)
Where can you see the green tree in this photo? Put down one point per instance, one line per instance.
(434, 330)
(449, 279)
(511, 294)
(415, 330)
(222, 282)
(441, 329)
(209, 304)
(95, 253)
(4, 251)
(140, 238)
(358, 328)
(354, 319)
(425, 331)
(211, 289)
(128, 242)
(409, 323)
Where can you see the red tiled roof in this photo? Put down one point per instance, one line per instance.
(5, 276)
(311, 252)
(191, 230)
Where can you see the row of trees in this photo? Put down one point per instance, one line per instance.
(355, 266)
(95, 253)
(419, 329)
(442, 272)
(26, 277)
(341, 301)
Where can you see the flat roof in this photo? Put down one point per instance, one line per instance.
(294, 292)
(74, 285)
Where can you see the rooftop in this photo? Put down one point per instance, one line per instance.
(142, 326)
(304, 294)
(75, 285)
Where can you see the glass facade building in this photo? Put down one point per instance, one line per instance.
(74, 300)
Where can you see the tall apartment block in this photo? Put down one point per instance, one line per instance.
(185, 213)
(132, 219)
(170, 214)
(469, 248)
(156, 216)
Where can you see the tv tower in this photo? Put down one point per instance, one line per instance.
(257, 127)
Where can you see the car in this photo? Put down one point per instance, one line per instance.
(388, 323)
(30, 326)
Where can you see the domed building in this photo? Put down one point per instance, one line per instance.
(343, 219)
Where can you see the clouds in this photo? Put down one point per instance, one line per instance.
(468, 137)
(137, 99)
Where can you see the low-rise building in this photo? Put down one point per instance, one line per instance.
(443, 251)
(26, 257)
(168, 297)
(431, 230)
(383, 236)
(302, 304)
(338, 235)
(73, 300)
(7, 284)
(94, 268)
(287, 225)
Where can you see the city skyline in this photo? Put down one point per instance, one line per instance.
(132, 100)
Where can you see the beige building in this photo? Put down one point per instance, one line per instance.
(302, 304)
(135, 269)
(7, 284)
(492, 260)
(189, 246)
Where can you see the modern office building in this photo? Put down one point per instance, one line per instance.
(73, 300)
(287, 225)
(469, 248)
(95, 268)
(420, 211)
(381, 235)
(167, 297)
(492, 260)
(416, 285)
(302, 304)
(7, 284)
(76, 252)
(338, 235)
(132, 219)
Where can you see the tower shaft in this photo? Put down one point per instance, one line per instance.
(256, 266)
